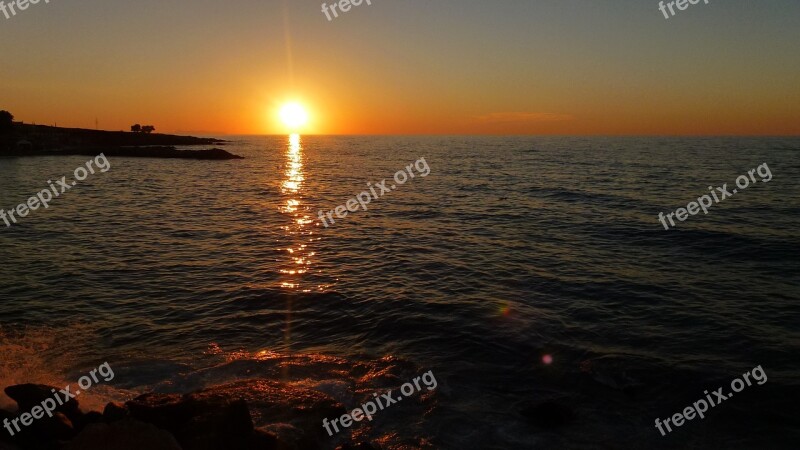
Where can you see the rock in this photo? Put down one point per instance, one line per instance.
(198, 422)
(127, 434)
(263, 440)
(29, 395)
(43, 433)
(288, 436)
(293, 413)
(166, 411)
(88, 419)
(55, 428)
(548, 414)
(114, 412)
(274, 402)
(359, 446)
(218, 426)
(4, 434)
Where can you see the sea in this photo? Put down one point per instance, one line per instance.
(530, 275)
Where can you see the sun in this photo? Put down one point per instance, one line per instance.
(293, 115)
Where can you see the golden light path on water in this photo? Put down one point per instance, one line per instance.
(299, 232)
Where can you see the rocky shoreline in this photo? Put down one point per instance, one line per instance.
(217, 418)
(25, 140)
(215, 154)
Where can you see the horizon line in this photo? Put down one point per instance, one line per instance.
(619, 135)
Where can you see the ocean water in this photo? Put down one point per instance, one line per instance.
(510, 253)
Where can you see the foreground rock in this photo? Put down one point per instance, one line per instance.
(359, 446)
(245, 415)
(197, 423)
(29, 395)
(220, 417)
(47, 431)
(272, 402)
(126, 434)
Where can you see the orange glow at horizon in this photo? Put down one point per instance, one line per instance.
(558, 72)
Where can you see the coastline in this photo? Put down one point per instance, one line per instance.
(25, 140)
(216, 417)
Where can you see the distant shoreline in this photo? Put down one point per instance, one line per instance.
(25, 140)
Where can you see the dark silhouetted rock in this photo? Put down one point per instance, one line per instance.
(166, 411)
(359, 446)
(55, 428)
(5, 415)
(45, 432)
(88, 419)
(125, 434)
(289, 437)
(275, 402)
(548, 414)
(263, 440)
(36, 140)
(217, 425)
(41, 434)
(54, 137)
(293, 413)
(198, 422)
(29, 395)
(114, 412)
(217, 418)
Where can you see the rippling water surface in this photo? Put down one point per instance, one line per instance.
(185, 274)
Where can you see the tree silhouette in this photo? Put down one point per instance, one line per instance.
(136, 128)
(148, 129)
(6, 121)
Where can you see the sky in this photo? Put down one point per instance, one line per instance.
(554, 67)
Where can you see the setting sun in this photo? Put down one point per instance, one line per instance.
(293, 115)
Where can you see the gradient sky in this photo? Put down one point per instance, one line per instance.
(731, 67)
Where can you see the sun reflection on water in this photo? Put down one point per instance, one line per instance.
(299, 233)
